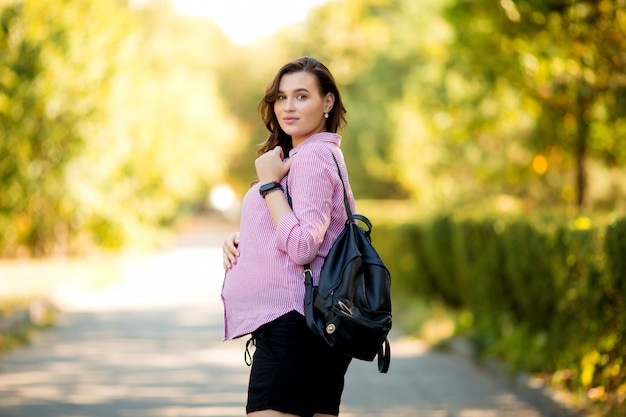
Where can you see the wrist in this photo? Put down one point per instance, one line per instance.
(272, 191)
(267, 180)
(269, 187)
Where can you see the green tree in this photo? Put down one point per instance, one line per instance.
(53, 72)
(108, 127)
(168, 138)
(566, 60)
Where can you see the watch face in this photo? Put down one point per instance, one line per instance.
(266, 188)
(269, 186)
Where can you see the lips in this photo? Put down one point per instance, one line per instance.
(290, 120)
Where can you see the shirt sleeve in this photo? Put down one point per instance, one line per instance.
(311, 183)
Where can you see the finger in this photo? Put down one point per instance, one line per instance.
(288, 162)
(231, 249)
(225, 248)
(235, 238)
(231, 243)
(230, 258)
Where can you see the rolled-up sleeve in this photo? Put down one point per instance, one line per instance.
(311, 183)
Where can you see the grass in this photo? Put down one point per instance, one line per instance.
(20, 317)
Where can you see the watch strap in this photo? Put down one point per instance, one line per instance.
(265, 189)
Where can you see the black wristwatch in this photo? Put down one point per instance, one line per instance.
(265, 189)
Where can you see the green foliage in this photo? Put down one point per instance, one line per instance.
(168, 139)
(107, 128)
(561, 60)
(50, 84)
(123, 123)
(545, 293)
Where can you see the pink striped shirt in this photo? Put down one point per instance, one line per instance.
(268, 279)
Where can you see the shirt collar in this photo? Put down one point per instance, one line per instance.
(318, 137)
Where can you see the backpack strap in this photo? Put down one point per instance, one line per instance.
(343, 185)
(307, 267)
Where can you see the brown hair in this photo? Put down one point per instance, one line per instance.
(326, 83)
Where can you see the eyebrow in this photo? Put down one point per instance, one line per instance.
(297, 90)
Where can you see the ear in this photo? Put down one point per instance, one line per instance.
(329, 102)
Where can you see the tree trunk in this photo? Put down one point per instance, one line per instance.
(582, 131)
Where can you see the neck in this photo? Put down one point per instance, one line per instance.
(297, 141)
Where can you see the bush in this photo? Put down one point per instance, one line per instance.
(546, 294)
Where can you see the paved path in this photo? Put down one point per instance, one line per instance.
(151, 347)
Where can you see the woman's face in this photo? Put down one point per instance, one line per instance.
(300, 106)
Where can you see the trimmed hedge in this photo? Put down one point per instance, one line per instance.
(546, 294)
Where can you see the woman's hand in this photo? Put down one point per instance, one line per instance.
(229, 249)
(271, 167)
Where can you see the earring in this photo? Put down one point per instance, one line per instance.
(326, 115)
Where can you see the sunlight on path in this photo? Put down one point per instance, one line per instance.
(174, 277)
(185, 274)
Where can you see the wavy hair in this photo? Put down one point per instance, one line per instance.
(326, 83)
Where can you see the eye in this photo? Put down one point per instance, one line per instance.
(301, 97)
(281, 97)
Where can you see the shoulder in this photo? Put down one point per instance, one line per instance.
(321, 152)
(316, 160)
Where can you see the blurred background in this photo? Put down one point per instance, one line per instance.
(486, 139)
(118, 115)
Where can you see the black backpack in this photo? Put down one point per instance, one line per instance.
(351, 307)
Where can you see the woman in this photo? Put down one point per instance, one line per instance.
(293, 372)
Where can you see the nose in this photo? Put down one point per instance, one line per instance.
(289, 104)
